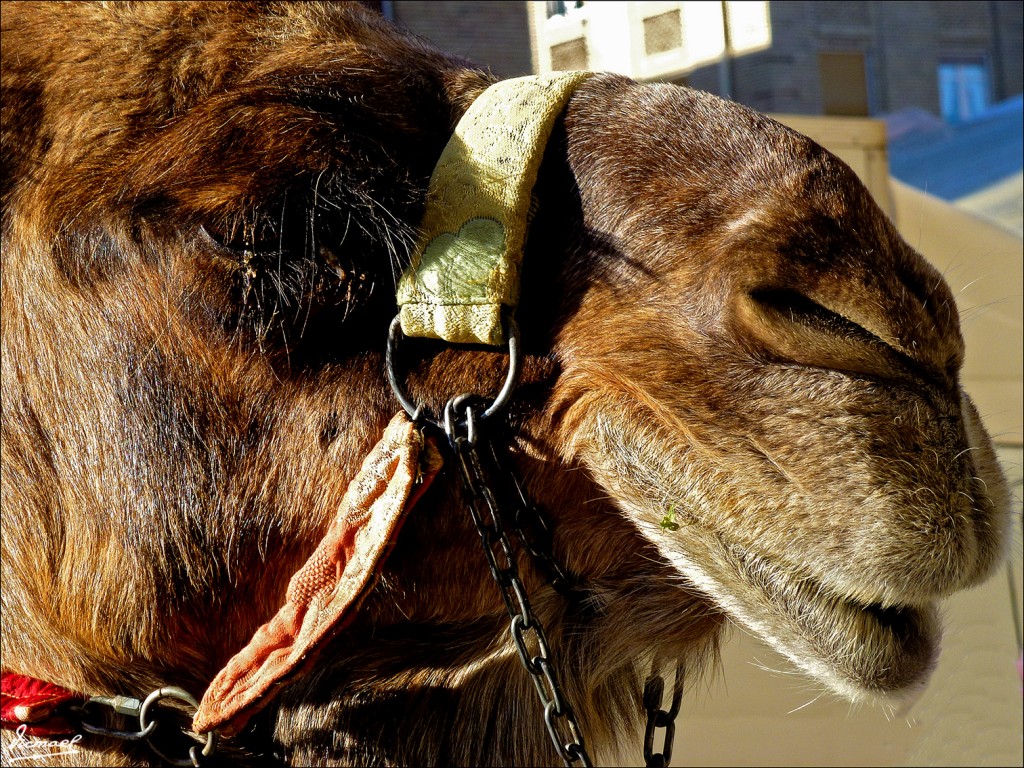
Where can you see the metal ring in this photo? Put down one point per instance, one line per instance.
(389, 362)
(417, 412)
(174, 692)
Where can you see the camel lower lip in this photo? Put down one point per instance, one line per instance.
(862, 651)
(866, 648)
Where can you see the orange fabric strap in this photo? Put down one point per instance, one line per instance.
(325, 593)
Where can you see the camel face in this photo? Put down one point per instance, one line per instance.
(764, 375)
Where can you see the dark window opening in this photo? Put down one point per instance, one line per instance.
(844, 84)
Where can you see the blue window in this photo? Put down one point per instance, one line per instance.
(963, 89)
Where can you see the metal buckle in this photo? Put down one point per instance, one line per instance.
(132, 707)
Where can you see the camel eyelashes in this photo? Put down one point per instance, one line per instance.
(253, 234)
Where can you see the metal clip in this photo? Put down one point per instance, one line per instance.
(123, 705)
(132, 707)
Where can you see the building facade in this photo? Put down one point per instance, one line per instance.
(859, 57)
(854, 58)
(495, 34)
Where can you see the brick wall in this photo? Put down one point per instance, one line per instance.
(902, 42)
(493, 34)
(1008, 22)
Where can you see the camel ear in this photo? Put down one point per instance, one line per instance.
(465, 269)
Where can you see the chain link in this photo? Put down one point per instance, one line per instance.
(465, 437)
(534, 531)
(654, 691)
(532, 525)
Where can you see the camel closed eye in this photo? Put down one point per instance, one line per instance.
(288, 261)
(240, 235)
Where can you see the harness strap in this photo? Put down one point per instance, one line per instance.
(37, 706)
(325, 593)
(466, 266)
(323, 596)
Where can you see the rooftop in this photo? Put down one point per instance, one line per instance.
(952, 161)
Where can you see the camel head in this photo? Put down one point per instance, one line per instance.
(740, 398)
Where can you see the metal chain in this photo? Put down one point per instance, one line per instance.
(534, 530)
(131, 707)
(465, 437)
(654, 691)
(532, 525)
(460, 422)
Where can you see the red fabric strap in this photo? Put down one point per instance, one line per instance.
(25, 701)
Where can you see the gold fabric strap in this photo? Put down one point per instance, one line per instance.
(466, 266)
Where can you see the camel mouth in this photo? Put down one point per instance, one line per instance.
(862, 651)
(871, 648)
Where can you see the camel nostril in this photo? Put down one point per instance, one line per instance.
(788, 326)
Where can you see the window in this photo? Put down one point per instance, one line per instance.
(569, 55)
(560, 7)
(844, 84)
(963, 89)
(662, 33)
